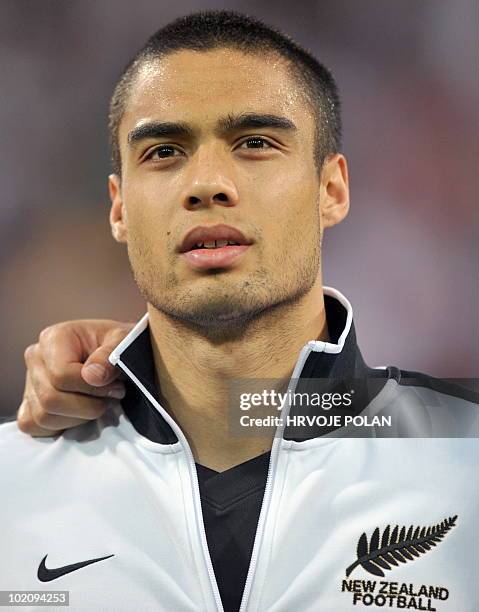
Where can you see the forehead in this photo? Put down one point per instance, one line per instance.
(199, 87)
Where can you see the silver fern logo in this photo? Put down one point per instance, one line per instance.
(400, 545)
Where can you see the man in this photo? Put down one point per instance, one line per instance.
(227, 170)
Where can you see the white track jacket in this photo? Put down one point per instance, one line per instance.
(351, 520)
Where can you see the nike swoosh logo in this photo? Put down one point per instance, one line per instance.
(46, 575)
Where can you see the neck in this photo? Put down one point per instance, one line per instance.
(195, 374)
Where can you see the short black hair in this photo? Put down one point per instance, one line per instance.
(208, 30)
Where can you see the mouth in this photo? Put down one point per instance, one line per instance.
(214, 244)
(217, 246)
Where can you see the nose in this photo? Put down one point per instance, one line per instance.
(209, 182)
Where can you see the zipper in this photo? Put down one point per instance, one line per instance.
(193, 479)
(313, 345)
(115, 358)
(273, 462)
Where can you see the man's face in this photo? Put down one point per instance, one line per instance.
(223, 168)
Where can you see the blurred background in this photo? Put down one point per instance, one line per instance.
(408, 254)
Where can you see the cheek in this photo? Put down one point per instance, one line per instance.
(291, 214)
(145, 213)
(152, 204)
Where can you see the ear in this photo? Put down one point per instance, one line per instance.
(334, 190)
(118, 220)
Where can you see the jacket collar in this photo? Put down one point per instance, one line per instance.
(322, 366)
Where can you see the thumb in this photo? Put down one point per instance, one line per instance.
(97, 370)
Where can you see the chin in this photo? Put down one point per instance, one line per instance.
(212, 314)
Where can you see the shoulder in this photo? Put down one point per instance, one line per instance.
(12, 439)
(425, 406)
(452, 391)
(20, 453)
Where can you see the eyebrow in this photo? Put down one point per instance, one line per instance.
(158, 129)
(228, 124)
(247, 121)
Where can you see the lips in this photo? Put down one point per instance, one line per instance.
(211, 237)
(214, 247)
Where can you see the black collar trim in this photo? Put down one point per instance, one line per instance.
(322, 372)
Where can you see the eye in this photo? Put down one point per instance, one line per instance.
(255, 142)
(162, 152)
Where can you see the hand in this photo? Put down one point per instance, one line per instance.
(69, 379)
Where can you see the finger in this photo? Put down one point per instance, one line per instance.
(64, 344)
(26, 423)
(48, 400)
(97, 370)
(40, 413)
(72, 381)
(25, 419)
(52, 353)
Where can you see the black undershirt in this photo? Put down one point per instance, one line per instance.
(231, 500)
(231, 503)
